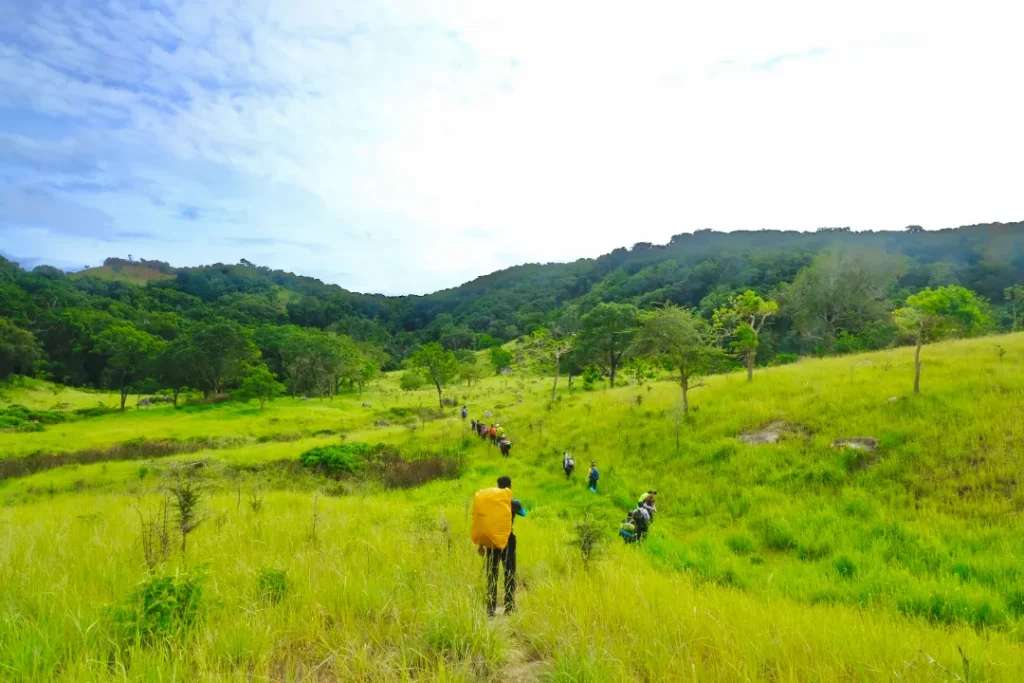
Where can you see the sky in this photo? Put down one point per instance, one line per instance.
(404, 147)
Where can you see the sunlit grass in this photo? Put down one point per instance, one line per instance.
(789, 561)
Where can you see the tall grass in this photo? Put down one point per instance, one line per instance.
(788, 561)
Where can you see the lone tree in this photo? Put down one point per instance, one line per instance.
(740, 322)
(680, 340)
(130, 353)
(259, 383)
(605, 335)
(439, 366)
(934, 314)
(500, 359)
(548, 349)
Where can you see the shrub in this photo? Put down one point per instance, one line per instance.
(775, 536)
(346, 458)
(1015, 602)
(741, 544)
(845, 567)
(272, 585)
(161, 608)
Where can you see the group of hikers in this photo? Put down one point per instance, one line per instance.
(495, 510)
(569, 465)
(493, 432)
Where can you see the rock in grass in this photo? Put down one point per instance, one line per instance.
(770, 433)
(860, 443)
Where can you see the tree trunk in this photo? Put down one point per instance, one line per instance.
(175, 394)
(684, 383)
(124, 397)
(612, 367)
(554, 386)
(917, 367)
(440, 403)
(751, 356)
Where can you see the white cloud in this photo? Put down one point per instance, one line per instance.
(424, 143)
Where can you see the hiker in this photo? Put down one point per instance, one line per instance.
(492, 433)
(505, 445)
(494, 510)
(648, 499)
(472, 424)
(592, 477)
(568, 464)
(638, 521)
(465, 412)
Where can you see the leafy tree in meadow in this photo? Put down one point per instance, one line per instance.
(500, 359)
(19, 350)
(411, 380)
(1014, 297)
(934, 314)
(605, 335)
(469, 367)
(220, 352)
(740, 322)
(129, 353)
(259, 383)
(680, 340)
(841, 291)
(548, 348)
(438, 364)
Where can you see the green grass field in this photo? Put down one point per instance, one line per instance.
(786, 561)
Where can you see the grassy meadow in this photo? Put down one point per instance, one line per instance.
(787, 561)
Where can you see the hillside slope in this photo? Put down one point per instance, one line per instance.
(792, 560)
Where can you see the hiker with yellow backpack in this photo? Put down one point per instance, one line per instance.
(494, 510)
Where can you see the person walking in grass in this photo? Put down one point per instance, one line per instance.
(592, 477)
(505, 444)
(498, 551)
(465, 412)
(568, 464)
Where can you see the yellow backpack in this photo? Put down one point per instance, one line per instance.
(492, 518)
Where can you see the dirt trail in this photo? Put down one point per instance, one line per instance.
(522, 665)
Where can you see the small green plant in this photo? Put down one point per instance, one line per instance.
(159, 609)
(741, 544)
(186, 493)
(272, 585)
(845, 567)
(588, 538)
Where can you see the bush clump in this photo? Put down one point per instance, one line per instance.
(161, 608)
(272, 585)
(345, 458)
(18, 418)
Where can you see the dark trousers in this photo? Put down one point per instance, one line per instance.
(506, 557)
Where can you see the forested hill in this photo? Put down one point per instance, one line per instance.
(811, 274)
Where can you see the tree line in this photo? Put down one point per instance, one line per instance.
(212, 328)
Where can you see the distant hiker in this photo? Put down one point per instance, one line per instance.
(592, 477)
(505, 445)
(492, 433)
(472, 425)
(494, 510)
(568, 464)
(465, 412)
